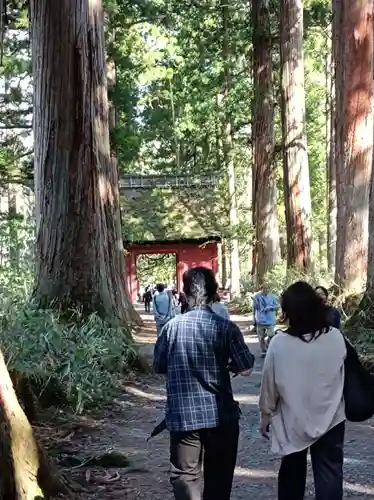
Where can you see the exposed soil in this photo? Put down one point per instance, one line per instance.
(129, 422)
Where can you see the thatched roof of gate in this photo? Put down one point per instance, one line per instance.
(171, 214)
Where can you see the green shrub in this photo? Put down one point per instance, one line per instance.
(243, 303)
(16, 261)
(84, 358)
(279, 278)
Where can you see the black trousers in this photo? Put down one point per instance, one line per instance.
(147, 306)
(327, 463)
(217, 449)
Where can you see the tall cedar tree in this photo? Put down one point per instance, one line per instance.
(79, 249)
(228, 150)
(267, 249)
(297, 197)
(353, 53)
(331, 153)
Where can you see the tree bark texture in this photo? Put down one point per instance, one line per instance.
(331, 155)
(248, 204)
(224, 264)
(228, 154)
(13, 229)
(353, 52)
(79, 248)
(25, 473)
(267, 249)
(370, 268)
(112, 80)
(298, 205)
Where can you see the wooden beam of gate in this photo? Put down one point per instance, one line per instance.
(167, 181)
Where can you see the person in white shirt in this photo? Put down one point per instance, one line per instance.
(301, 396)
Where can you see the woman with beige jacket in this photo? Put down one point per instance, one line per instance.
(302, 396)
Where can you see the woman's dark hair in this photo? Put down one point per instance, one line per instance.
(217, 298)
(323, 290)
(160, 287)
(304, 311)
(200, 285)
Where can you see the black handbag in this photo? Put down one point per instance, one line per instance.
(358, 388)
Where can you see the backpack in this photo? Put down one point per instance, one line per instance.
(358, 387)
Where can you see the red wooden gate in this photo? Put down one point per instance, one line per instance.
(189, 253)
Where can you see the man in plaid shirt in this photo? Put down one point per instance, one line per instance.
(197, 351)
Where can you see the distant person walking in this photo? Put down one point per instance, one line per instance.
(163, 307)
(174, 293)
(194, 351)
(265, 306)
(332, 313)
(147, 299)
(301, 397)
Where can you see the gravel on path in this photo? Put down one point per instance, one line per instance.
(141, 408)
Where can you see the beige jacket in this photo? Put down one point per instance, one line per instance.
(302, 389)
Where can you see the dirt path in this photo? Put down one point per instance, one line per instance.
(141, 408)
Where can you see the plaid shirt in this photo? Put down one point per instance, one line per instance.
(194, 351)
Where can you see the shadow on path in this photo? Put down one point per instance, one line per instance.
(141, 407)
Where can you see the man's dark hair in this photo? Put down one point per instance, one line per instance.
(160, 287)
(200, 285)
(323, 290)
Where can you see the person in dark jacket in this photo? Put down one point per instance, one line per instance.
(334, 315)
(147, 299)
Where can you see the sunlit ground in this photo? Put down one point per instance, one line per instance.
(246, 393)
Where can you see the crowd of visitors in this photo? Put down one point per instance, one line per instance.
(165, 302)
(312, 382)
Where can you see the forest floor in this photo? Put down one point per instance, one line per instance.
(127, 424)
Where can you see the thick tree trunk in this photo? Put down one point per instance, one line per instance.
(223, 264)
(112, 79)
(354, 133)
(229, 157)
(80, 256)
(370, 268)
(364, 316)
(13, 190)
(297, 197)
(248, 204)
(25, 473)
(233, 217)
(331, 156)
(267, 249)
